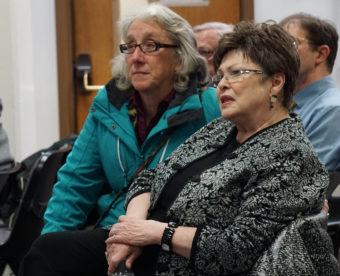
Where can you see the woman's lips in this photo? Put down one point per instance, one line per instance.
(139, 73)
(226, 100)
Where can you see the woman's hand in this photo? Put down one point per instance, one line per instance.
(127, 237)
(326, 206)
(115, 253)
(136, 232)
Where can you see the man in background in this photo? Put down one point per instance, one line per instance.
(316, 99)
(207, 35)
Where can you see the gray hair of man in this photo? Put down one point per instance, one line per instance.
(180, 33)
(220, 27)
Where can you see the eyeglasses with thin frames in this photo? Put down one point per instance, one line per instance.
(299, 40)
(145, 47)
(206, 53)
(233, 76)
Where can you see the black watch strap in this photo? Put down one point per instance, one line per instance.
(167, 236)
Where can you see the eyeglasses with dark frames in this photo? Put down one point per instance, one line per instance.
(145, 47)
(233, 76)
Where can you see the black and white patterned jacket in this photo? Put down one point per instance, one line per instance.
(240, 205)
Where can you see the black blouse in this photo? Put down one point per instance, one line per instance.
(146, 263)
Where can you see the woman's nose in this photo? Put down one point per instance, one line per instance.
(138, 54)
(223, 84)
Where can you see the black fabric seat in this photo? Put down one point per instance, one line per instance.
(27, 222)
(7, 179)
(334, 211)
(6, 174)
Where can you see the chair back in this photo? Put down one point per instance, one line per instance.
(333, 197)
(301, 248)
(334, 182)
(6, 177)
(28, 222)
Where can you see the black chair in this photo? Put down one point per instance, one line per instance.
(6, 178)
(333, 226)
(6, 174)
(9, 194)
(27, 223)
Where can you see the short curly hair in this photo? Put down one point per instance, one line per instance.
(268, 45)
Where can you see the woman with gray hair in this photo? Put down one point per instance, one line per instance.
(154, 102)
(208, 34)
(180, 33)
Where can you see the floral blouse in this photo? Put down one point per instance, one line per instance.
(240, 205)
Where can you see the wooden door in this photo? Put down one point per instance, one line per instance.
(87, 26)
(227, 11)
(90, 24)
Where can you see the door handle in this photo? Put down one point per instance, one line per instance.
(83, 70)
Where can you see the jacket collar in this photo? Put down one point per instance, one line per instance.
(314, 90)
(118, 97)
(217, 133)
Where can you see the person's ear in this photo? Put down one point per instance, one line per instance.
(278, 81)
(323, 53)
(177, 67)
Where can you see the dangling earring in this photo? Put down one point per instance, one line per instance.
(273, 99)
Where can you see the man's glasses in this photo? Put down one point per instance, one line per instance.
(233, 76)
(206, 53)
(300, 40)
(145, 47)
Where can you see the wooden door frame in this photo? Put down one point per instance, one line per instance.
(66, 83)
(247, 10)
(66, 60)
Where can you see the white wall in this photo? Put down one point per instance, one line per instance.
(29, 75)
(128, 6)
(278, 9)
(28, 70)
(6, 90)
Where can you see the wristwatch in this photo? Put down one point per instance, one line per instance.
(167, 236)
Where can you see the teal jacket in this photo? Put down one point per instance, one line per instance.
(107, 153)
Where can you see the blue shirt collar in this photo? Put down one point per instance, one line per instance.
(314, 89)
